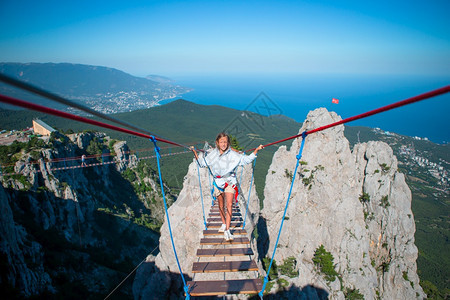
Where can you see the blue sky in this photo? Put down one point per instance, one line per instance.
(225, 37)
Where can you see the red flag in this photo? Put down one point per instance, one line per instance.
(335, 101)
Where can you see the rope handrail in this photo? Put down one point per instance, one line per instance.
(201, 195)
(58, 113)
(186, 287)
(93, 156)
(407, 101)
(249, 192)
(299, 156)
(41, 92)
(92, 164)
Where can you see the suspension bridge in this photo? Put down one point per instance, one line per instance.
(221, 255)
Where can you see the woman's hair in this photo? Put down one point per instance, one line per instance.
(221, 135)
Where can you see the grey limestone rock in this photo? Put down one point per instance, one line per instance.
(372, 241)
(354, 203)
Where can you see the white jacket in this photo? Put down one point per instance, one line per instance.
(223, 165)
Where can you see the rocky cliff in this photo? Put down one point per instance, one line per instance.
(348, 231)
(72, 230)
(356, 204)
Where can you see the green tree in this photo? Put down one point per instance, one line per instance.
(273, 274)
(235, 144)
(364, 198)
(353, 294)
(288, 267)
(95, 147)
(324, 260)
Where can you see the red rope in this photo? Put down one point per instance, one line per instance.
(417, 98)
(51, 111)
(58, 113)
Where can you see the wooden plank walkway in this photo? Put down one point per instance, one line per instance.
(214, 220)
(224, 266)
(236, 231)
(222, 241)
(226, 257)
(224, 287)
(217, 225)
(217, 214)
(224, 252)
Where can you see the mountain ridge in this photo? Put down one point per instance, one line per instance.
(105, 89)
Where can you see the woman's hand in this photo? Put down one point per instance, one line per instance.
(192, 148)
(257, 149)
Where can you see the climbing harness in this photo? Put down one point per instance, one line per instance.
(233, 186)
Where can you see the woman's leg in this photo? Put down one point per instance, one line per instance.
(229, 203)
(221, 208)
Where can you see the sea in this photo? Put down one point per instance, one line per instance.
(294, 95)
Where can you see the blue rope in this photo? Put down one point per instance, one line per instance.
(212, 189)
(201, 195)
(299, 156)
(249, 193)
(158, 157)
(242, 171)
(214, 182)
(240, 185)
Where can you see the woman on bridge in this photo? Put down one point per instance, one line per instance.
(222, 162)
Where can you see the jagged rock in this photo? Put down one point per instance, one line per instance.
(151, 283)
(186, 219)
(56, 224)
(325, 209)
(83, 139)
(123, 158)
(17, 253)
(390, 221)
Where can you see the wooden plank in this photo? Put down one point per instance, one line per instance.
(216, 204)
(217, 225)
(224, 266)
(216, 210)
(217, 207)
(222, 241)
(235, 214)
(216, 232)
(220, 220)
(224, 287)
(224, 252)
